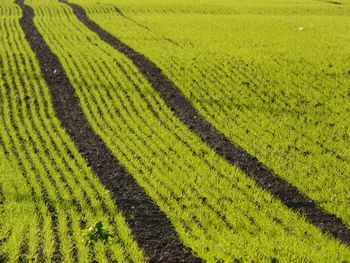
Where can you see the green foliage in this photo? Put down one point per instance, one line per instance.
(97, 233)
(47, 190)
(274, 80)
(233, 73)
(217, 211)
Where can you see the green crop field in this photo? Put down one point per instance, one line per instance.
(273, 76)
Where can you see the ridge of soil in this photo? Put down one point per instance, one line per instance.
(150, 226)
(287, 193)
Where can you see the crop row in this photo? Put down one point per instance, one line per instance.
(275, 88)
(49, 194)
(218, 212)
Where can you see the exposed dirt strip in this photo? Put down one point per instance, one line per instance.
(182, 108)
(335, 3)
(149, 225)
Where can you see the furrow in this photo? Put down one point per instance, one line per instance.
(147, 229)
(101, 104)
(172, 164)
(320, 113)
(7, 116)
(62, 192)
(337, 162)
(223, 111)
(182, 108)
(165, 166)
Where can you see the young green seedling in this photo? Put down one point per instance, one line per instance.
(96, 233)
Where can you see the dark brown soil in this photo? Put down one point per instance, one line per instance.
(335, 3)
(150, 226)
(288, 194)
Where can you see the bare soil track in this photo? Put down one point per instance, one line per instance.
(334, 3)
(150, 226)
(288, 194)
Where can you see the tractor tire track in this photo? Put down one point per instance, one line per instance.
(150, 226)
(288, 194)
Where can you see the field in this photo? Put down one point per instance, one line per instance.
(192, 130)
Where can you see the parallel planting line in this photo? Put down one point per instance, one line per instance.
(217, 211)
(252, 111)
(244, 78)
(182, 108)
(330, 170)
(52, 195)
(149, 225)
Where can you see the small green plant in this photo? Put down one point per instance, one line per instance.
(96, 233)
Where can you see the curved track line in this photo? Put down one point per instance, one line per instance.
(288, 194)
(150, 226)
